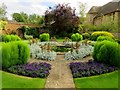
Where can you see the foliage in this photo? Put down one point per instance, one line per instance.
(34, 31)
(82, 52)
(102, 38)
(2, 24)
(3, 11)
(9, 38)
(32, 69)
(96, 34)
(86, 36)
(90, 68)
(107, 52)
(39, 53)
(82, 10)
(60, 49)
(30, 19)
(10, 80)
(76, 37)
(14, 53)
(45, 37)
(61, 20)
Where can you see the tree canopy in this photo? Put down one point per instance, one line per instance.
(25, 18)
(3, 11)
(61, 20)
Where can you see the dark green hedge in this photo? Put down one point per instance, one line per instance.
(107, 52)
(13, 53)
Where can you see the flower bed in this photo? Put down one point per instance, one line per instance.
(37, 53)
(31, 69)
(90, 68)
(82, 52)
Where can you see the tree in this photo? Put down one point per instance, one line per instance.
(17, 17)
(30, 19)
(20, 17)
(3, 11)
(82, 11)
(61, 20)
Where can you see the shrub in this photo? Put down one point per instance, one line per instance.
(107, 52)
(102, 38)
(96, 34)
(76, 37)
(14, 53)
(9, 38)
(86, 35)
(32, 69)
(45, 37)
(24, 52)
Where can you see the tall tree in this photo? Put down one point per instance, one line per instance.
(3, 11)
(82, 11)
(17, 17)
(61, 20)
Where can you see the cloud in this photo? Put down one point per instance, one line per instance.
(40, 6)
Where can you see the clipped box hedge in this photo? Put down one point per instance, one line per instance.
(96, 34)
(44, 37)
(76, 37)
(102, 38)
(107, 52)
(9, 38)
(86, 35)
(13, 53)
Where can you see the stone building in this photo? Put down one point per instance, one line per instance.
(109, 12)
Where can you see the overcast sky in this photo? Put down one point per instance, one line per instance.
(39, 6)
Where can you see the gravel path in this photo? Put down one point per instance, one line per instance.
(60, 75)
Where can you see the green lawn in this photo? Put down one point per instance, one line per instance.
(109, 80)
(15, 81)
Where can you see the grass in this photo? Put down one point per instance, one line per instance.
(109, 80)
(15, 81)
(60, 40)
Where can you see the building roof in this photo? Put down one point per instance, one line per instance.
(94, 9)
(107, 8)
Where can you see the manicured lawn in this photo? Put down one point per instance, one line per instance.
(14, 81)
(109, 80)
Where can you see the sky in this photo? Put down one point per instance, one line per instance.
(40, 6)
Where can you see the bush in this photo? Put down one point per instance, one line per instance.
(9, 38)
(102, 38)
(107, 52)
(45, 37)
(96, 34)
(14, 53)
(86, 35)
(76, 37)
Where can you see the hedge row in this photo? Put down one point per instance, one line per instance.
(13, 53)
(8, 38)
(102, 38)
(107, 52)
(96, 34)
